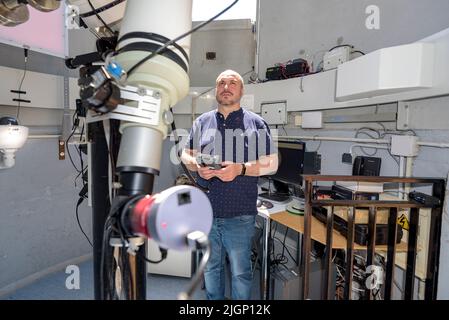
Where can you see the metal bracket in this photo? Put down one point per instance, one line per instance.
(147, 110)
(403, 122)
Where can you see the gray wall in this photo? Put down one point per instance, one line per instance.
(287, 27)
(38, 228)
(234, 44)
(13, 57)
(37, 220)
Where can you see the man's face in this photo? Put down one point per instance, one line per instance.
(229, 90)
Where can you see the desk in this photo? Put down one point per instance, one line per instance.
(296, 223)
(318, 233)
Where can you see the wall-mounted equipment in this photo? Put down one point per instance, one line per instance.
(334, 57)
(404, 145)
(274, 113)
(312, 120)
(291, 69)
(12, 138)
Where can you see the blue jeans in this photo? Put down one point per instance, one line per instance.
(234, 237)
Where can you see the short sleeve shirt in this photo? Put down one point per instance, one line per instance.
(242, 137)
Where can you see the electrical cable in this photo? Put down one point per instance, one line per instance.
(105, 257)
(99, 18)
(284, 246)
(163, 257)
(81, 156)
(21, 81)
(103, 260)
(114, 137)
(68, 152)
(381, 136)
(280, 258)
(80, 200)
(79, 175)
(171, 42)
(341, 45)
(94, 33)
(125, 267)
(319, 145)
(285, 131)
(358, 51)
(283, 243)
(359, 132)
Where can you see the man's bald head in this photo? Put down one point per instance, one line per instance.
(230, 73)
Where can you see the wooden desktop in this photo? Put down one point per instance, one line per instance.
(296, 222)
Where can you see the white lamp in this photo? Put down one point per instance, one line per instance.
(12, 138)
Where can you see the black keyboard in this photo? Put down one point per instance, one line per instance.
(275, 197)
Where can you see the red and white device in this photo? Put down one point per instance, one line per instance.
(170, 216)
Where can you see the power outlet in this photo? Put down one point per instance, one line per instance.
(274, 113)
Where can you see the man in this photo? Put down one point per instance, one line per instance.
(243, 140)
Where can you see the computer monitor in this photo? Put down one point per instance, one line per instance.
(291, 162)
(290, 169)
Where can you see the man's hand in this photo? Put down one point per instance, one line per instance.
(206, 173)
(229, 171)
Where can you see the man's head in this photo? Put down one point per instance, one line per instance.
(229, 88)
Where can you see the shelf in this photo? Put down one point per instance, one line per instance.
(296, 222)
(369, 203)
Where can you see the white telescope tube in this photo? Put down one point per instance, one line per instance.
(146, 27)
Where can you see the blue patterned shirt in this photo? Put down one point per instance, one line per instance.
(242, 137)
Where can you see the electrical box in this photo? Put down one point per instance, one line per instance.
(312, 120)
(405, 146)
(274, 113)
(334, 58)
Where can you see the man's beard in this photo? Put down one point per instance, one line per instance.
(229, 101)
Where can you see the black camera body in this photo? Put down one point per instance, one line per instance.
(207, 160)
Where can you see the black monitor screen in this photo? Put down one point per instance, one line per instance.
(291, 162)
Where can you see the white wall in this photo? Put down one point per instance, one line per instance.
(287, 27)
